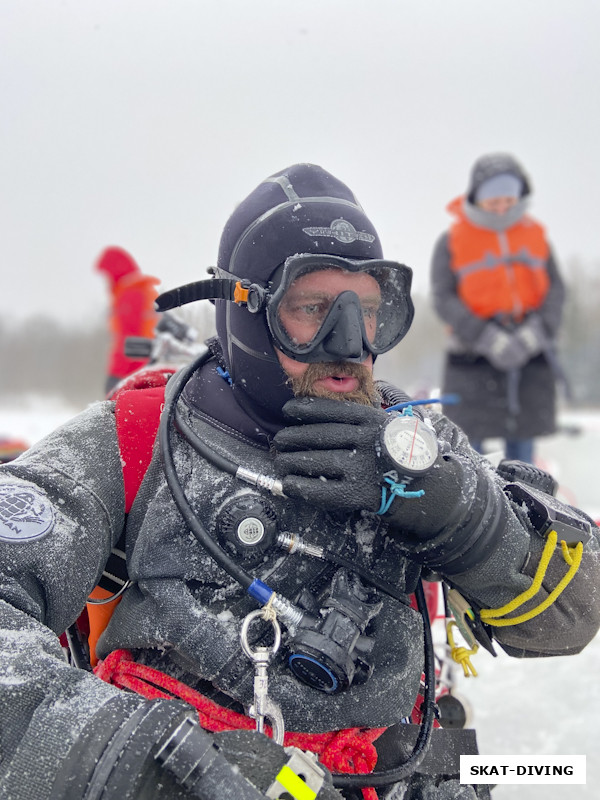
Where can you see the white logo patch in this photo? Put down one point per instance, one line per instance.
(24, 513)
(342, 230)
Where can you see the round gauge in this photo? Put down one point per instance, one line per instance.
(411, 444)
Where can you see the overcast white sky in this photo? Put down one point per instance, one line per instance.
(142, 122)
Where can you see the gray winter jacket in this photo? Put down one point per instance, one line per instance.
(62, 510)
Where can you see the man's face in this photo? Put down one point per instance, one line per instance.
(303, 310)
(497, 205)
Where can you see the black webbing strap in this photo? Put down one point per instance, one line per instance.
(443, 754)
(211, 289)
(115, 576)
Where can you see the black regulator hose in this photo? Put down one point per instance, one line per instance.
(181, 501)
(205, 450)
(406, 768)
(390, 394)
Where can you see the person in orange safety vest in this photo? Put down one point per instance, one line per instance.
(496, 285)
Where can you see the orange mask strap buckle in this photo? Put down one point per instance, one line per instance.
(240, 295)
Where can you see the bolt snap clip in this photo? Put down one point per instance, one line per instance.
(263, 708)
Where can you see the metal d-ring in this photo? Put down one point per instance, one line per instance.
(259, 654)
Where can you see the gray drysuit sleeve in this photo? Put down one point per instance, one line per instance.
(65, 733)
(61, 511)
(60, 515)
(510, 560)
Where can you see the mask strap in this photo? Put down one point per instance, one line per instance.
(212, 289)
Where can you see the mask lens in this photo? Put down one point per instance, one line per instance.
(394, 312)
(308, 303)
(317, 300)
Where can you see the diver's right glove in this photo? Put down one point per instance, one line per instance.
(333, 457)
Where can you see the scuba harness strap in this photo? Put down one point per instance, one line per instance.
(137, 416)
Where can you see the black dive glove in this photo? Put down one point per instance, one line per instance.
(332, 456)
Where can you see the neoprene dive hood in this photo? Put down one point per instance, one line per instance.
(301, 209)
(297, 221)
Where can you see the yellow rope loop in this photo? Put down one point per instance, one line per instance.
(571, 555)
(461, 655)
(491, 613)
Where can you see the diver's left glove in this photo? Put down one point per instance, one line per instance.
(332, 456)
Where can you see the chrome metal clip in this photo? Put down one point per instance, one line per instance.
(263, 708)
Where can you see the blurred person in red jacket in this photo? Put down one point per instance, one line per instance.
(132, 310)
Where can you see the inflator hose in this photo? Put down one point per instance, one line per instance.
(158, 752)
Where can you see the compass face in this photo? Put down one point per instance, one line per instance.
(411, 444)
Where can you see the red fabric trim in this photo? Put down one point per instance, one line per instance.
(137, 412)
(350, 750)
(138, 403)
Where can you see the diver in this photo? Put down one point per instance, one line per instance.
(265, 643)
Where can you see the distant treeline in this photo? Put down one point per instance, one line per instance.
(580, 334)
(43, 356)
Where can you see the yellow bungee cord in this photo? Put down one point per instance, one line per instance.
(461, 655)
(571, 555)
(492, 616)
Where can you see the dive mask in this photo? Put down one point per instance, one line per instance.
(320, 308)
